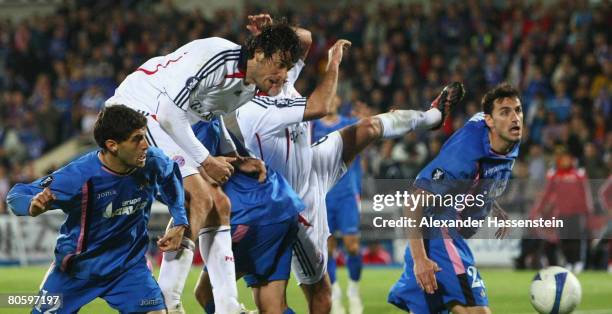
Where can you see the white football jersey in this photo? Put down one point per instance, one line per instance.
(201, 78)
(273, 130)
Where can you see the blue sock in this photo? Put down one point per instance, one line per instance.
(331, 268)
(210, 307)
(288, 311)
(354, 265)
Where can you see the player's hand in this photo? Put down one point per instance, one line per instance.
(41, 202)
(335, 53)
(171, 241)
(425, 272)
(257, 23)
(218, 169)
(501, 214)
(252, 166)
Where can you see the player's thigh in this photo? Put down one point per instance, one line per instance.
(348, 217)
(135, 291)
(271, 297)
(74, 293)
(309, 262)
(462, 309)
(264, 253)
(327, 160)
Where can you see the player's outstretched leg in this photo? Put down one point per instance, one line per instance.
(399, 122)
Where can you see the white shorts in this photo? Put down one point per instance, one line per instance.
(309, 261)
(157, 137)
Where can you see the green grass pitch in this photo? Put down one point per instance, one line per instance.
(508, 291)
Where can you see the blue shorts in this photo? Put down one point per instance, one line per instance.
(263, 253)
(458, 281)
(133, 291)
(343, 213)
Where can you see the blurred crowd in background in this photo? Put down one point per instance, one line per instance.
(56, 72)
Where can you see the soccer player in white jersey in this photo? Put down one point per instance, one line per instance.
(277, 129)
(197, 81)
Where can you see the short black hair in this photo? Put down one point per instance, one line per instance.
(276, 37)
(116, 123)
(502, 90)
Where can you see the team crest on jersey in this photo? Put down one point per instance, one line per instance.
(191, 83)
(437, 174)
(46, 181)
(180, 160)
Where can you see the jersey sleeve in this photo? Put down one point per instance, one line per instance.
(170, 185)
(66, 185)
(226, 143)
(175, 122)
(267, 115)
(451, 170)
(295, 71)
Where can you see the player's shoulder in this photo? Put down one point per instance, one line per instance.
(467, 142)
(213, 45)
(79, 170)
(156, 155)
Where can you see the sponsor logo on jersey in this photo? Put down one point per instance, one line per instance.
(127, 208)
(191, 83)
(180, 160)
(106, 194)
(437, 174)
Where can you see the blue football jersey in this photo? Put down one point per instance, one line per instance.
(253, 203)
(105, 231)
(350, 183)
(466, 165)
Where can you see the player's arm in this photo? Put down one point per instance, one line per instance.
(319, 102)
(55, 191)
(175, 122)
(424, 268)
(172, 194)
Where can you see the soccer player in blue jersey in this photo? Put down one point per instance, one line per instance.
(264, 227)
(440, 273)
(343, 214)
(107, 196)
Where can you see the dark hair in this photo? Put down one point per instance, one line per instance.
(277, 37)
(116, 123)
(502, 90)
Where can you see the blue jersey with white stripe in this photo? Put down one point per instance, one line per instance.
(105, 231)
(253, 203)
(350, 183)
(466, 165)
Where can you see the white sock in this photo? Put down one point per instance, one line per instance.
(399, 122)
(205, 241)
(222, 272)
(173, 273)
(336, 292)
(352, 290)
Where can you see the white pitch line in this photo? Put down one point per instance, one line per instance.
(609, 311)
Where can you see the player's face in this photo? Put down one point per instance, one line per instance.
(133, 151)
(271, 73)
(507, 119)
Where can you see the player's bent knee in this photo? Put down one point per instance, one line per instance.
(351, 242)
(370, 127)
(321, 298)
